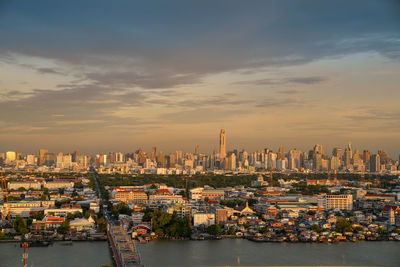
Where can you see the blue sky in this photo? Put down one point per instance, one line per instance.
(101, 75)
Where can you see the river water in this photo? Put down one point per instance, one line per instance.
(80, 254)
(239, 252)
(226, 252)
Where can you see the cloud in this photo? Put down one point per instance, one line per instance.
(136, 44)
(291, 92)
(283, 102)
(49, 71)
(286, 81)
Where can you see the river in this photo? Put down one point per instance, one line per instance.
(80, 254)
(226, 252)
(239, 252)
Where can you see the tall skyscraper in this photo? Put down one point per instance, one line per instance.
(281, 153)
(375, 163)
(222, 144)
(197, 150)
(42, 153)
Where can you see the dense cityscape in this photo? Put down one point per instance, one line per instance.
(199, 133)
(263, 196)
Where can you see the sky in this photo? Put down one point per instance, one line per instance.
(99, 76)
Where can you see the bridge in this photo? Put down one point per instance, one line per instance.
(123, 248)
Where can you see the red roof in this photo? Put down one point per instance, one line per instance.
(163, 191)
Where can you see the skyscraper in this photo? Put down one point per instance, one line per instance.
(222, 144)
(197, 150)
(42, 153)
(375, 163)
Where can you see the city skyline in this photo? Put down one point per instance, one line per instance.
(221, 147)
(102, 77)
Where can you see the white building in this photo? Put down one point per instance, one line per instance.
(341, 202)
(203, 219)
(24, 184)
(58, 185)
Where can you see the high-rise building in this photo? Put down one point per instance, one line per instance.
(338, 152)
(197, 150)
(375, 163)
(366, 155)
(294, 159)
(281, 153)
(222, 144)
(11, 156)
(42, 153)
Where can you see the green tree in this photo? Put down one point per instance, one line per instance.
(64, 227)
(316, 228)
(101, 224)
(215, 229)
(231, 231)
(78, 185)
(121, 208)
(21, 226)
(343, 225)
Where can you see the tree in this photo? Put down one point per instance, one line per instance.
(215, 229)
(78, 185)
(316, 228)
(252, 201)
(21, 226)
(343, 225)
(64, 227)
(121, 208)
(231, 231)
(263, 230)
(101, 224)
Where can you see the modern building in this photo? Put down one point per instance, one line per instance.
(222, 145)
(341, 202)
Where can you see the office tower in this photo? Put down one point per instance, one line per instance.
(319, 149)
(154, 154)
(197, 150)
(75, 154)
(375, 163)
(294, 159)
(350, 148)
(64, 161)
(119, 157)
(31, 159)
(338, 152)
(49, 159)
(179, 157)
(271, 162)
(318, 162)
(347, 157)
(334, 163)
(366, 155)
(42, 152)
(385, 158)
(111, 157)
(222, 144)
(231, 162)
(281, 153)
(171, 160)
(11, 156)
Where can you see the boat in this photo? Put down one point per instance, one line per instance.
(37, 243)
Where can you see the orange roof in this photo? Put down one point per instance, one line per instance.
(163, 191)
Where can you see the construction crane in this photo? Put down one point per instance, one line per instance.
(5, 201)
